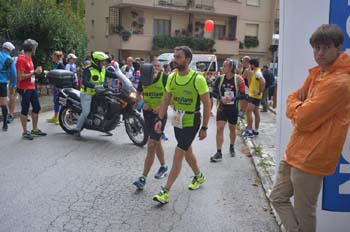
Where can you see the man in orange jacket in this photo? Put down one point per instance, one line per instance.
(320, 114)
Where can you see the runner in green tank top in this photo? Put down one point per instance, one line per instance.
(152, 95)
(187, 89)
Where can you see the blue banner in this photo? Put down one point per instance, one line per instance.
(336, 188)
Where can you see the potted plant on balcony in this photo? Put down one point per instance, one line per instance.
(125, 35)
(189, 3)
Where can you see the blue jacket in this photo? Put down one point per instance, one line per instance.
(7, 65)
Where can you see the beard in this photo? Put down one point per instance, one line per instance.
(179, 67)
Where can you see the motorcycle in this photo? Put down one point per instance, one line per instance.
(108, 107)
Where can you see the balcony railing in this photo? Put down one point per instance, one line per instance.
(193, 4)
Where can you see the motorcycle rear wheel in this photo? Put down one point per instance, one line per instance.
(136, 128)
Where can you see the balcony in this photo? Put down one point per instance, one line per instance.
(135, 42)
(206, 5)
(228, 7)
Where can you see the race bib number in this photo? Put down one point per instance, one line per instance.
(177, 118)
(231, 95)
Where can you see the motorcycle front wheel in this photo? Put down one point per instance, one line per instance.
(68, 119)
(136, 128)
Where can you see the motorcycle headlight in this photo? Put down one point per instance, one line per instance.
(132, 95)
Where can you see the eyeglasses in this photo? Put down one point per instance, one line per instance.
(178, 57)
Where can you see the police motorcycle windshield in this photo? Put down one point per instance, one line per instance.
(125, 83)
(147, 73)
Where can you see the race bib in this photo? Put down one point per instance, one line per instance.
(32, 79)
(231, 95)
(177, 118)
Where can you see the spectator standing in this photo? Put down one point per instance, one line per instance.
(7, 69)
(71, 66)
(57, 58)
(270, 81)
(26, 88)
(320, 114)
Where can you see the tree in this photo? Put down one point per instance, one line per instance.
(55, 27)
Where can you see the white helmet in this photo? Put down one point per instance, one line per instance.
(9, 46)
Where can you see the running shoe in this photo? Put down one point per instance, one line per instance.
(37, 133)
(53, 120)
(232, 151)
(140, 183)
(27, 136)
(196, 182)
(10, 118)
(5, 127)
(162, 172)
(255, 132)
(162, 197)
(248, 134)
(216, 158)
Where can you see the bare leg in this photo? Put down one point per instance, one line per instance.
(151, 149)
(175, 168)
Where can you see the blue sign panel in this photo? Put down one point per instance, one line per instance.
(340, 14)
(336, 188)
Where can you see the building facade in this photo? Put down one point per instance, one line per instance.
(129, 27)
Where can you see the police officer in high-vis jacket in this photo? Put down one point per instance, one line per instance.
(93, 77)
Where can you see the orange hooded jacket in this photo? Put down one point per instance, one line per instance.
(322, 121)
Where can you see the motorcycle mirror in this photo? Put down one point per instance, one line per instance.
(147, 73)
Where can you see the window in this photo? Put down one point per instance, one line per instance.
(232, 27)
(219, 31)
(161, 27)
(253, 2)
(252, 30)
(113, 19)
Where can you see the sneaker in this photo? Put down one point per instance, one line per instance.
(255, 132)
(162, 172)
(216, 158)
(232, 151)
(196, 182)
(53, 120)
(140, 183)
(10, 118)
(28, 119)
(163, 137)
(248, 134)
(27, 136)
(162, 197)
(36, 133)
(5, 127)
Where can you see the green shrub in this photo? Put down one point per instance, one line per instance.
(197, 44)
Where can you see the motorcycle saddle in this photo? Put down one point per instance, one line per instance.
(73, 93)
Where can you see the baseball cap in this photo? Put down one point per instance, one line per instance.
(71, 55)
(9, 46)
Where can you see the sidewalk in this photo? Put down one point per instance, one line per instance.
(262, 149)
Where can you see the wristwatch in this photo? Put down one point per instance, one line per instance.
(204, 128)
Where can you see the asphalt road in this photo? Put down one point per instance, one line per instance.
(57, 183)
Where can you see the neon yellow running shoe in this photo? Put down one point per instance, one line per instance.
(53, 120)
(196, 182)
(162, 197)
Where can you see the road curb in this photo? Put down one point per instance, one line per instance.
(265, 178)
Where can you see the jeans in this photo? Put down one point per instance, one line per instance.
(85, 100)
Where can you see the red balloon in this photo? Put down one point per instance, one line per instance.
(209, 25)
